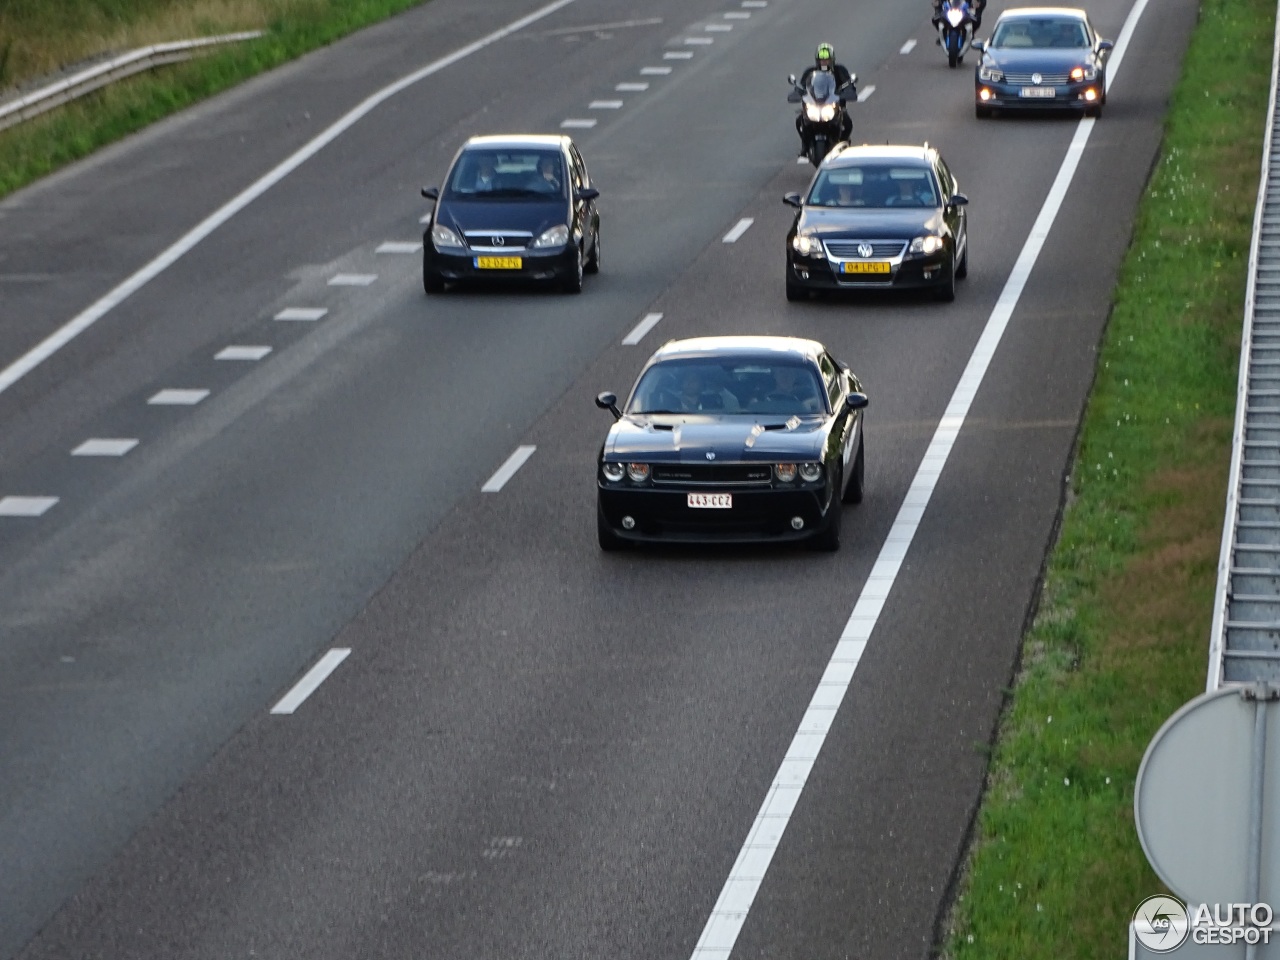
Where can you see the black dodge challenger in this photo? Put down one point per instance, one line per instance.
(732, 439)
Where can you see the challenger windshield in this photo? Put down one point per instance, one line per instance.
(728, 386)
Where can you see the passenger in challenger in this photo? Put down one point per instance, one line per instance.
(794, 388)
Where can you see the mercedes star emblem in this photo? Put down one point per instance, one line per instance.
(864, 250)
(499, 241)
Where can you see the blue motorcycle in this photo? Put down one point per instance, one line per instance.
(955, 29)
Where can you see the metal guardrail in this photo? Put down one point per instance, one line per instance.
(1244, 642)
(99, 75)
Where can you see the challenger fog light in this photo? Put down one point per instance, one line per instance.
(613, 472)
(786, 472)
(1091, 94)
(804, 274)
(984, 94)
(628, 523)
(639, 472)
(797, 523)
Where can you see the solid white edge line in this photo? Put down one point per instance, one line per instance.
(508, 469)
(95, 312)
(865, 93)
(311, 680)
(739, 228)
(638, 332)
(743, 883)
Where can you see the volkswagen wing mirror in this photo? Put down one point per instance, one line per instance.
(431, 193)
(959, 200)
(1105, 45)
(609, 401)
(587, 193)
(792, 200)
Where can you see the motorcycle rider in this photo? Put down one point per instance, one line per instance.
(975, 7)
(825, 60)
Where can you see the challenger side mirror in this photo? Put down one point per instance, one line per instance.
(959, 199)
(1105, 45)
(978, 45)
(609, 401)
(855, 401)
(431, 193)
(587, 193)
(792, 200)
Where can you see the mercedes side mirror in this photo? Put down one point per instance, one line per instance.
(431, 193)
(587, 193)
(855, 401)
(609, 401)
(793, 200)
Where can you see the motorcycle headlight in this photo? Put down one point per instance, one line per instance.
(555, 237)
(954, 17)
(810, 472)
(638, 472)
(813, 111)
(613, 472)
(1084, 73)
(990, 74)
(926, 244)
(805, 245)
(828, 112)
(786, 472)
(443, 237)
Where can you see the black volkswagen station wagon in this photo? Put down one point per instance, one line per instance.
(732, 439)
(513, 207)
(878, 217)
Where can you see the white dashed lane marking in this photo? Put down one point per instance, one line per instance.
(399, 246)
(737, 15)
(103, 447)
(577, 123)
(755, 4)
(865, 93)
(242, 353)
(802, 159)
(311, 681)
(718, 27)
(699, 41)
(654, 71)
(644, 326)
(303, 314)
(677, 55)
(178, 398)
(352, 279)
(25, 506)
(632, 87)
(508, 469)
(908, 46)
(605, 105)
(739, 228)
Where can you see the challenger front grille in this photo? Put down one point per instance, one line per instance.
(719, 474)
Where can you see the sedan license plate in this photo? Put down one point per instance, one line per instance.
(1043, 93)
(864, 266)
(499, 263)
(711, 501)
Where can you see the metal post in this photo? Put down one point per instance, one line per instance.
(1260, 694)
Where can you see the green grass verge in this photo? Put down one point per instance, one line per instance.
(1121, 637)
(39, 146)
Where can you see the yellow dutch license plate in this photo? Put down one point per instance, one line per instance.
(863, 266)
(499, 263)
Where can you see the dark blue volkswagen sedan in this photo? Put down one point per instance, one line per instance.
(513, 207)
(1042, 58)
(732, 439)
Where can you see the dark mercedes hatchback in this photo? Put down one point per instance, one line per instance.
(513, 207)
(888, 217)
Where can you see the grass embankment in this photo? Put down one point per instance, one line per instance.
(1121, 637)
(41, 36)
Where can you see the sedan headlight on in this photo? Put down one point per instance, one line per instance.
(1084, 73)
(638, 472)
(555, 237)
(810, 472)
(786, 472)
(990, 74)
(805, 245)
(613, 472)
(820, 112)
(443, 237)
(927, 244)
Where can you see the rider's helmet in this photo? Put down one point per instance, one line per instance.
(825, 57)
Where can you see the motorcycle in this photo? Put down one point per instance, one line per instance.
(822, 114)
(955, 29)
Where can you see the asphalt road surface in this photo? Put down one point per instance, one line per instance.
(533, 749)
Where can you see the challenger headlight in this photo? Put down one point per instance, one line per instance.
(805, 245)
(443, 237)
(786, 472)
(1084, 73)
(990, 74)
(638, 472)
(954, 17)
(810, 472)
(926, 244)
(555, 237)
(613, 472)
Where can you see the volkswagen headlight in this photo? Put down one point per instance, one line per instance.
(613, 472)
(555, 237)
(806, 245)
(1084, 73)
(954, 17)
(443, 237)
(990, 74)
(926, 244)
(810, 472)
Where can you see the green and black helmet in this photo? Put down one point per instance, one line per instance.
(826, 56)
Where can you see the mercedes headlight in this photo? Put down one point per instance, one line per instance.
(810, 472)
(613, 472)
(927, 244)
(806, 245)
(954, 17)
(990, 74)
(443, 237)
(555, 237)
(1084, 73)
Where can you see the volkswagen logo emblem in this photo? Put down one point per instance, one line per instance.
(499, 241)
(710, 455)
(864, 250)
(1036, 78)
